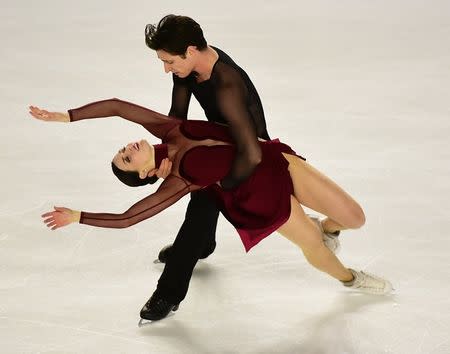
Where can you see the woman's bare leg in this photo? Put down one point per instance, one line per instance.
(318, 192)
(302, 231)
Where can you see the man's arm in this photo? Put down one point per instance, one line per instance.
(181, 96)
(231, 99)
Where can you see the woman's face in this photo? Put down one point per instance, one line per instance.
(136, 156)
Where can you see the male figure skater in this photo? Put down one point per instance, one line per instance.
(227, 95)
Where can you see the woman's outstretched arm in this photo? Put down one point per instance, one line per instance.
(156, 123)
(170, 191)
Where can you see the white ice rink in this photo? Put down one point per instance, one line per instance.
(360, 88)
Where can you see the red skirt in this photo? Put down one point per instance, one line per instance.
(262, 203)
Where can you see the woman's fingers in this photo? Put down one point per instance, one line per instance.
(34, 110)
(39, 113)
(49, 220)
(55, 224)
(57, 218)
(164, 169)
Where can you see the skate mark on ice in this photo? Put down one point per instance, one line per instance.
(77, 329)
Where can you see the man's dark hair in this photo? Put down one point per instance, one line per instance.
(174, 34)
(131, 178)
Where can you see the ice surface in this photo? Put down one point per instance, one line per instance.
(360, 88)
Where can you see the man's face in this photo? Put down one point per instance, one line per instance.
(176, 64)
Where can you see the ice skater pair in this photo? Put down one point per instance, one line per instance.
(202, 154)
(228, 96)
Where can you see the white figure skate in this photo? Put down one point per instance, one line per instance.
(369, 283)
(330, 240)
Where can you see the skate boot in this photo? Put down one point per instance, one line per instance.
(157, 308)
(166, 252)
(330, 239)
(369, 283)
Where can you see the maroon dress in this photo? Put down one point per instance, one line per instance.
(202, 154)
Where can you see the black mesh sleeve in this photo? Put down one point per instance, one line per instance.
(181, 96)
(171, 190)
(231, 99)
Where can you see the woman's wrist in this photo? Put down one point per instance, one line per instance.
(76, 216)
(66, 117)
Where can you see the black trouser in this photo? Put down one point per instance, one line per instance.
(196, 239)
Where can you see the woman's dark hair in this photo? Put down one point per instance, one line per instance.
(131, 178)
(174, 34)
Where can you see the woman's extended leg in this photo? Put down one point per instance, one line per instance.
(318, 192)
(306, 234)
(302, 231)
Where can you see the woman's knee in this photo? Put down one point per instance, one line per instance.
(357, 217)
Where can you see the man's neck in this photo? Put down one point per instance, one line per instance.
(205, 64)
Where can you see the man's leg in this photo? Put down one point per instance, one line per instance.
(196, 239)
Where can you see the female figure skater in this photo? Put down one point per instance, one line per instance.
(201, 154)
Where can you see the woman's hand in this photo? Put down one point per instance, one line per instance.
(61, 217)
(164, 168)
(42, 114)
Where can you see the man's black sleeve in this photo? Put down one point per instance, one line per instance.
(232, 102)
(181, 96)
